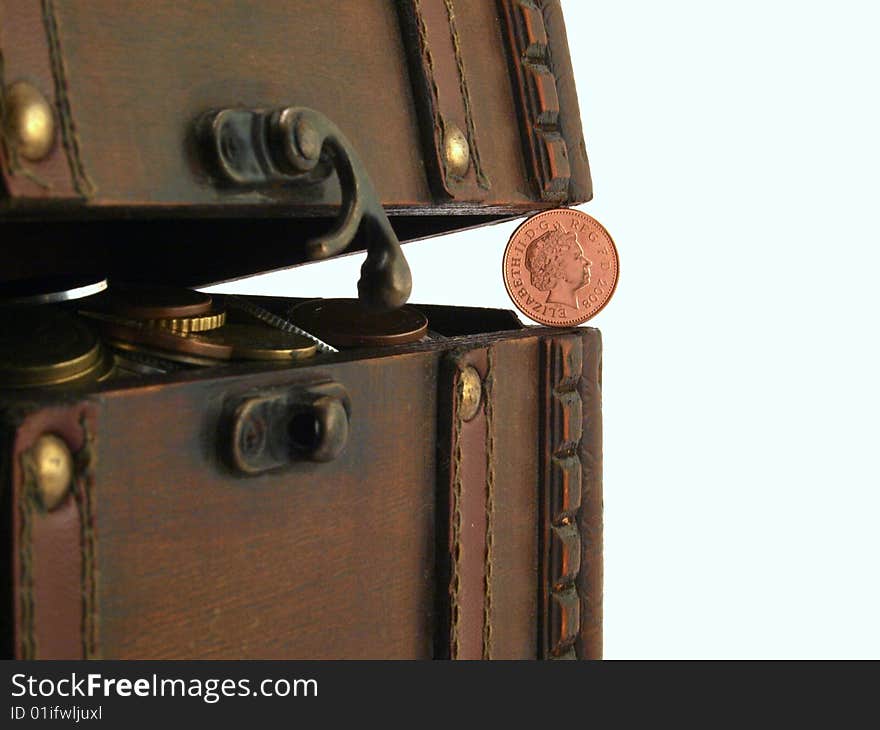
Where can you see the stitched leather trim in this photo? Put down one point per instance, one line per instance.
(84, 494)
(466, 488)
(589, 515)
(69, 138)
(55, 591)
(25, 56)
(560, 497)
(534, 78)
(488, 382)
(442, 94)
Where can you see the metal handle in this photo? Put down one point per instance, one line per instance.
(253, 148)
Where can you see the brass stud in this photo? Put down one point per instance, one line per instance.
(52, 465)
(470, 390)
(30, 124)
(456, 150)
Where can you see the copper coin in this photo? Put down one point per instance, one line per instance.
(346, 323)
(560, 267)
(136, 333)
(136, 301)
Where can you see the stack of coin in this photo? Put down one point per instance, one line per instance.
(345, 323)
(43, 345)
(150, 324)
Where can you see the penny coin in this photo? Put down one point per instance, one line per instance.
(345, 323)
(560, 267)
(51, 289)
(45, 346)
(136, 301)
(259, 342)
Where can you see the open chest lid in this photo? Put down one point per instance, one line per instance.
(196, 141)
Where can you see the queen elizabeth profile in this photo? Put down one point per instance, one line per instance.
(556, 264)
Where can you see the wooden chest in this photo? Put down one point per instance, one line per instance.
(433, 498)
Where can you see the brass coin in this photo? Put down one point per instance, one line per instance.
(139, 356)
(45, 346)
(259, 342)
(186, 325)
(136, 333)
(106, 367)
(560, 267)
(102, 371)
(345, 323)
(135, 301)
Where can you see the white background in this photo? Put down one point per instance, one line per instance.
(734, 150)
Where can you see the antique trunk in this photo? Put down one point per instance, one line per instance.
(430, 487)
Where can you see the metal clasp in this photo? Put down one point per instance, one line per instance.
(252, 148)
(273, 429)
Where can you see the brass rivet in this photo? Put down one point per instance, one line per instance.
(30, 123)
(470, 391)
(456, 150)
(53, 469)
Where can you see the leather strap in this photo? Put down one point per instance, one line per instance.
(55, 585)
(487, 549)
(571, 498)
(30, 39)
(468, 484)
(442, 94)
(589, 517)
(535, 81)
(580, 186)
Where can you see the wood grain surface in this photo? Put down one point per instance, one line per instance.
(345, 559)
(322, 561)
(136, 76)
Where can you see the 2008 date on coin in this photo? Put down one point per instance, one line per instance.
(560, 267)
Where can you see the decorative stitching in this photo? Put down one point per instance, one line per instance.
(482, 180)
(488, 383)
(540, 125)
(428, 65)
(564, 485)
(69, 138)
(83, 492)
(455, 583)
(26, 507)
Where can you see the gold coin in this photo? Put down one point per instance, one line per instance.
(136, 332)
(187, 325)
(259, 342)
(106, 367)
(160, 355)
(45, 346)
